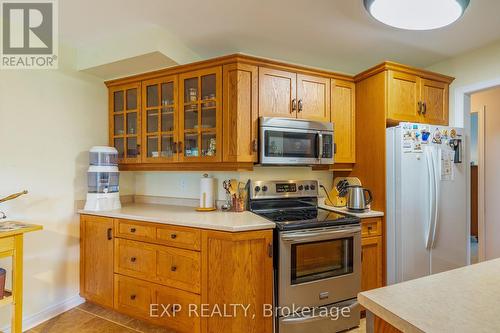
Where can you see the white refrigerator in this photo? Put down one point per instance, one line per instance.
(426, 223)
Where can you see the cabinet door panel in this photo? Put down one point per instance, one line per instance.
(403, 97)
(160, 120)
(435, 96)
(371, 263)
(277, 93)
(96, 259)
(125, 122)
(313, 93)
(240, 113)
(200, 126)
(344, 121)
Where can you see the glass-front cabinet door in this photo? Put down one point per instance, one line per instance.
(125, 136)
(200, 126)
(159, 124)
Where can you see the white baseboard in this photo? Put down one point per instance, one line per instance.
(48, 313)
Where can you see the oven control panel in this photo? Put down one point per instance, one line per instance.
(268, 189)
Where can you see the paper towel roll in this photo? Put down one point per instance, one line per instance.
(207, 192)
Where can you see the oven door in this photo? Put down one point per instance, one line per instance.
(287, 146)
(319, 266)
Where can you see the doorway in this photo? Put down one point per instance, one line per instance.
(484, 176)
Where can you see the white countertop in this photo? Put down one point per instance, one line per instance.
(466, 299)
(344, 210)
(187, 216)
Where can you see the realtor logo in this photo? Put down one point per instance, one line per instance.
(29, 34)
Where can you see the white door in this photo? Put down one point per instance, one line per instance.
(449, 249)
(413, 216)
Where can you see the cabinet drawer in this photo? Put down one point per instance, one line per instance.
(135, 258)
(6, 244)
(183, 301)
(179, 268)
(133, 296)
(135, 230)
(371, 227)
(185, 238)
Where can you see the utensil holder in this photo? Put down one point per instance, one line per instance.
(238, 205)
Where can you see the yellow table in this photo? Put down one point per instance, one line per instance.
(11, 245)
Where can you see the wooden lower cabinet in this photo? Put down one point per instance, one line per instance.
(96, 259)
(139, 268)
(371, 263)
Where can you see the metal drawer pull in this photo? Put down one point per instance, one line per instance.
(133, 259)
(132, 230)
(173, 236)
(132, 297)
(300, 105)
(173, 268)
(321, 234)
(294, 105)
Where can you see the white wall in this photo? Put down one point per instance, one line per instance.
(470, 68)
(48, 121)
(490, 99)
(186, 184)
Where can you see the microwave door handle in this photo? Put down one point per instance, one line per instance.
(320, 145)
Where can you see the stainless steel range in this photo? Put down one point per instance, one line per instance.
(318, 258)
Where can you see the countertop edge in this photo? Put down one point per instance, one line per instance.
(386, 315)
(364, 215)
(216, 227)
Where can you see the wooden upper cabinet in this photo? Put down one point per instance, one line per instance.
(313, 94)
(160, 115)
(403, 103)
(344, 120)
(277, 93)
(125, 121)
(96, 259)
(240, 95)
(434, 96)
(200, 121)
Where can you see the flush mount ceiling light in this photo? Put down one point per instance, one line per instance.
(416, 14)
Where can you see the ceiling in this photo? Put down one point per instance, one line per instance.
(331, 34)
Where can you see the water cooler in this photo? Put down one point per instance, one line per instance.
(103, 180)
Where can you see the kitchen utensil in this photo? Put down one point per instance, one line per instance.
(356, 199)
(13, 196)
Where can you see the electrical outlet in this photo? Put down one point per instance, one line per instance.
(183, 185)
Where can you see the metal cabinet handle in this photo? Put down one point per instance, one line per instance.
(110, 233)
(132, 230)
(270, 250)
(173, 268)
(419, 107)
(133, 259)
(300, 105)
(132, 297)
(294, 105)
(173, 236)
(424, 104)
(138, 149)
(179, 147)
(175, 147)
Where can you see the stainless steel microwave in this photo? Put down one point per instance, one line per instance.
(287, 141)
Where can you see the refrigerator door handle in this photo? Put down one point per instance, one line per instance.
(430, 169)
(435, 161)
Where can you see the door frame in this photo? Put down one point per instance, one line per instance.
(461, 118)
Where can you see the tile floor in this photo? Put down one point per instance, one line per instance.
(90, 318)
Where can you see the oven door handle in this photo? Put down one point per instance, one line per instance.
(310, 318)
(320, 235)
